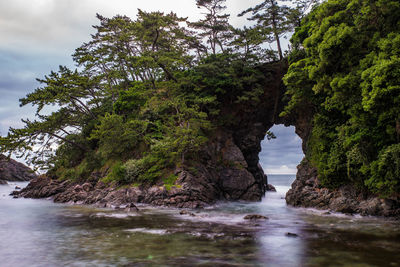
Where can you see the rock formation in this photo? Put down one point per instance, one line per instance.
(306, 191)
(228, 168)
(11, 170)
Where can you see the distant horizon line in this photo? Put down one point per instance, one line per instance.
(281, 173)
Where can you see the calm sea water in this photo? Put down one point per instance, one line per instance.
(41, 233)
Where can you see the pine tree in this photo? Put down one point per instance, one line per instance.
(215, 26)
(272, 21)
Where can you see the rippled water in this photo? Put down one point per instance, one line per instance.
(41, 233)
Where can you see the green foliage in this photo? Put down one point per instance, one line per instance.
(116, 136)
(385, 172)
(214, 27)
(345, 68)
(117, 174)
(170, 181)
(149, 168)
(275, 19)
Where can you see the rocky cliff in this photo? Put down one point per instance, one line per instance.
(307, 191)
(11, 170)
(227, 168)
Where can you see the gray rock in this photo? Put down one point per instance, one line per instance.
(306, 191)
(11, 170)
(255, 217)
(291, 234)
(271, 188)
(185, 212)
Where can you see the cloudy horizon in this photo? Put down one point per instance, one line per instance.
(40, 35)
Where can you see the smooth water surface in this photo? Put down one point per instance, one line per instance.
(41, 233)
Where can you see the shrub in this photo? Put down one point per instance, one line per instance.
(385, 172)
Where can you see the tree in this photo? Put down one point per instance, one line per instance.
(215, 26)
(143, 98)
(248, 43)
(272, 21)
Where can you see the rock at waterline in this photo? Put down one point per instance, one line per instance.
(291, 234)
(3, 182)
(185, 212)
(11, 170)
(126, 207)
(271, 188)
(17, 187)
(255, 217)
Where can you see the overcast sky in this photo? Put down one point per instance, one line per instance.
(39, 35)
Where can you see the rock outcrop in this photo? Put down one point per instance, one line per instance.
(306, 191)
(11, 170)
(227, 167)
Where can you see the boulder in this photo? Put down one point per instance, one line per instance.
(255, 217)
(307, 192)
(185, 212)
(291, 234)
(271, 188)
(11, 170)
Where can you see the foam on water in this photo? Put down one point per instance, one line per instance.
(115, 215)
(147, 231)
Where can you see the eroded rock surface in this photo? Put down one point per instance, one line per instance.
(11, 170)
(306, 191)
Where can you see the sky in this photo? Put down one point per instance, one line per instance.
(39, 35)
(283, 154)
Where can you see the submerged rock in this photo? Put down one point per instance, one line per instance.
(255, 217)
(185, 212)
(291, 234)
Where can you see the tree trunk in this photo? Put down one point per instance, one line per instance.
(275, 30)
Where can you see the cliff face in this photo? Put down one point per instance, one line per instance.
(11, 170)
(307, 191)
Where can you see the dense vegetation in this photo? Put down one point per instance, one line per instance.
(146, 94)
(345, 66)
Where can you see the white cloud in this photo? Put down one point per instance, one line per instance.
(284, 169)
(57, 26)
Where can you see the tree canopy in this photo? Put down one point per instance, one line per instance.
(143, 99)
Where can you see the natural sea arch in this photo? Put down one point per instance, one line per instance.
(282, 154)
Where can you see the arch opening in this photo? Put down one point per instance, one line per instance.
(280, 156)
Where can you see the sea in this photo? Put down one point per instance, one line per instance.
(41, 233)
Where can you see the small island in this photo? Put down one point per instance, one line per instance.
(165, 111)
(150, 150)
